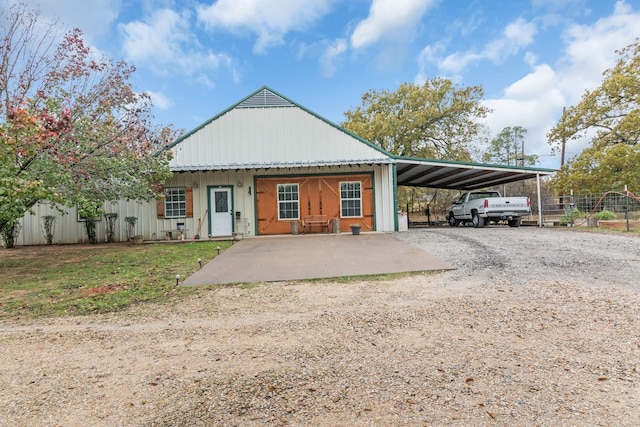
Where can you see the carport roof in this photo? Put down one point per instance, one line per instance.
(455, 175)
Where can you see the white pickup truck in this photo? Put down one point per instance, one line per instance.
(483, 207)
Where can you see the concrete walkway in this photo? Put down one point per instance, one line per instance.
(278, 258)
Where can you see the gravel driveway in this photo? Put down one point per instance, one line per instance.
(534, 327)
(522, 255)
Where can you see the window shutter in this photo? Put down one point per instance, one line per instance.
(189, 200)
(160, 208)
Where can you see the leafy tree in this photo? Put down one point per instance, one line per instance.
(436, 120)
(598, 170)
(610, 117)
(506, 148)
(72, 129)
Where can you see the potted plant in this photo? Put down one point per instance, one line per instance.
(355, 228)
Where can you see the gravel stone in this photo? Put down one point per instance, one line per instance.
(533, 327)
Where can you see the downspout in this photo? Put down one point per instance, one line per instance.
(395, 196)
(539, 200)
(255, 205)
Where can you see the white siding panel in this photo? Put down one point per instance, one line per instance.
(248, 137)
(70, 230)
(67, 227)
(385, 204)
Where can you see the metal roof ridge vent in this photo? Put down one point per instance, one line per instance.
(264, 98)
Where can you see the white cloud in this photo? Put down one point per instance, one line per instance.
(93, 17)
(270, 20)
(591, 49)
(531, 102)
(157, 40)
(531, 85)
(516, 35)
(561, 5)
(427, 57)
(160, 100)
(389, 18)
(536, 101)
(456, 62)
(165, 43)
(530, 58)
(332, 56)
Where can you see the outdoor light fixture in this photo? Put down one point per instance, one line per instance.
(218, 248)
(177, 279)
(200, 262)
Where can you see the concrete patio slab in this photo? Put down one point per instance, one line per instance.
(278, 258)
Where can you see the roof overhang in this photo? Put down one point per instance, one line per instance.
(281, 165)
(460, 175)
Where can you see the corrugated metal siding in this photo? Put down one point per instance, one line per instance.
(276, 137)
(69, 230)
(384, 199)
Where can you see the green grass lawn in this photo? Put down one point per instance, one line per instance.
(84, 279)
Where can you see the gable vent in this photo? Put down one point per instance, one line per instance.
(265, 98)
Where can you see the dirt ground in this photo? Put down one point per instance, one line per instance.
(475, 346)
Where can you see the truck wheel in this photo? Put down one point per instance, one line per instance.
(452, 221)
(478, 221)
(515, 222)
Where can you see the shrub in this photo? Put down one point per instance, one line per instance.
(111, 226)
(90, 226)
(567, 217)
(10, 234)
(131, 226)
(605, 214)
(49, 226)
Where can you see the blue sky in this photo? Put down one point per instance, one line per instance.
(197, 57)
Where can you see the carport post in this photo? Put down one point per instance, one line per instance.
(626, 192)
(539, 200)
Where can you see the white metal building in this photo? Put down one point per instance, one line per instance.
(233, 173)
(265, 163)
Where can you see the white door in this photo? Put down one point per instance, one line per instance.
(221, 212)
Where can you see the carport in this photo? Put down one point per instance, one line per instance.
(287, 257)
(464, 176)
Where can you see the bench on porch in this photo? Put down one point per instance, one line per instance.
(311, 220)
(180, 234)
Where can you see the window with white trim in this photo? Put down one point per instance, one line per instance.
(288, 201)
(351, 199)
(175, 202)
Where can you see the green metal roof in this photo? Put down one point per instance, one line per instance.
(454, 175)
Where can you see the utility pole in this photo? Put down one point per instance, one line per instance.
(564, 139)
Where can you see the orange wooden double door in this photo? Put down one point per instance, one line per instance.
(317, 195)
